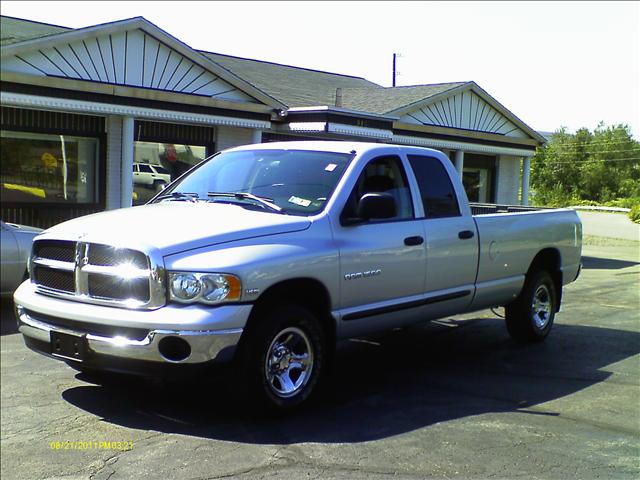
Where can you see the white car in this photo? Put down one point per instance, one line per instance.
(15, 247)
(150, 175)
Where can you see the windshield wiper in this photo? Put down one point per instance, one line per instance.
(263, 201)
(188, 196)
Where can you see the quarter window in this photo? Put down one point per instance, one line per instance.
(437, 193)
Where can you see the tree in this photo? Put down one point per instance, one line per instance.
(600, 167)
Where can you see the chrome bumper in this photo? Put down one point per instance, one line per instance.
(212, 333)
(205, 345)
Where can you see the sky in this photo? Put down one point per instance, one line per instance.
(553, 64)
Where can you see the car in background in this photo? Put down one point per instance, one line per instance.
(150, 175)
(15, 248)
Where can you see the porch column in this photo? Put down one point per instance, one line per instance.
(126, 191)
(256, 136)
(459, 161)
(526, 167)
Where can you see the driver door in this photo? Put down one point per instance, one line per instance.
(382, 261)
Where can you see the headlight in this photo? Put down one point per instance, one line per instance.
(209, 288)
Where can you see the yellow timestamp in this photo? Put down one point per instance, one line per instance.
(91, 445)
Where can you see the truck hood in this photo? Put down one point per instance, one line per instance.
(173, 227)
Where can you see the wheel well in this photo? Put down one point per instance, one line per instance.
(549, 261)
(306, 292)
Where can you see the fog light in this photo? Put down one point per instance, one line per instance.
(174, 349)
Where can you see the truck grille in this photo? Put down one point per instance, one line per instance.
(54, 279)
(97, 273)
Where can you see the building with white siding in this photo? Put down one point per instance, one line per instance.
(97, 118)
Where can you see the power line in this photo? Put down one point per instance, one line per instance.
(632, 150)
(604, 142)
(630, 159)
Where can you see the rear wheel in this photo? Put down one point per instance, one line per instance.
(284, 357)
(530, 317)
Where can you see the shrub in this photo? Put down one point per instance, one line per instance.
(634, 214)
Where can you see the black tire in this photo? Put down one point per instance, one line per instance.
(157, 185)
(289, 331)
(530, 317)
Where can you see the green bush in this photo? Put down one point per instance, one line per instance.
(624, 202)
(634, 214)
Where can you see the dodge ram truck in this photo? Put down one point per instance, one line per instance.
(266, 256)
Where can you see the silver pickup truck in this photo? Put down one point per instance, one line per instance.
(267, 255)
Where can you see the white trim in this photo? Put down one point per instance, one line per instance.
(356, 131)
(307, 126)
(329, 109)
(467, 147)
(96, 108)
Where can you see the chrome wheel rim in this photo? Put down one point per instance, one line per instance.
(289, 362)
(541, 307)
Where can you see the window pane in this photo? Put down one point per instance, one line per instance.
(383, 175)
(159, 164)
(48, 168)
(438, 196)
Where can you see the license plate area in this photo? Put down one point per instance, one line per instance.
(68, 346)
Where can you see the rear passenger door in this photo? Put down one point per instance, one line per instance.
(450, 237)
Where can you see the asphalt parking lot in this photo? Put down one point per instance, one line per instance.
(452, 399)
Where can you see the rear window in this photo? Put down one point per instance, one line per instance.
(436, 190)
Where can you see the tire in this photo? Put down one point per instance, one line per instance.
(530, 317)
(284, 357)
(157, 185)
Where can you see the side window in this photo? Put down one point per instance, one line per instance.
(145, 168)
(383, 175)
(438, 196)
(135, 167)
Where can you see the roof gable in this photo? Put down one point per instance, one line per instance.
(466, 107)
(131, 52)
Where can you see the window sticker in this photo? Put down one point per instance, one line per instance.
(331, 167)
(303, 202)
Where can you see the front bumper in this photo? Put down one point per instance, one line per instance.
(211, 333)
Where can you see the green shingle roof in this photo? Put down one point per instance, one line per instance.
(13, 30)
(293, 86)
(385, 100)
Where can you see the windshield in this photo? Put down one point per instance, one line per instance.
(298, 181)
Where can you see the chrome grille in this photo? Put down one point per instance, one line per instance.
(97, 273)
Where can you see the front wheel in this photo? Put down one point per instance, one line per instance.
(530, 317)
(285, 357)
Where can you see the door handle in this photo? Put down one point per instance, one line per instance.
(411, 241)
(465, 234)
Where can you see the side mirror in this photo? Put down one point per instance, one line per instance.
(376, 205)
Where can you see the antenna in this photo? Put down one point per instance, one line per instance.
(395, 72)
